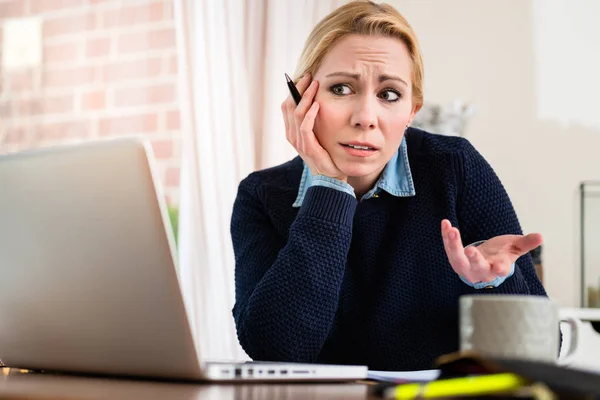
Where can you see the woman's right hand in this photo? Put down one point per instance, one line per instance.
(299, 122)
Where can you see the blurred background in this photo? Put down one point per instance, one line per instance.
(203, 81)
(81, 70)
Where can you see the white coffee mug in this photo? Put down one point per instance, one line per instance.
(516, 327)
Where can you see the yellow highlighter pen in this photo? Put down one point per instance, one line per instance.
(465, 386)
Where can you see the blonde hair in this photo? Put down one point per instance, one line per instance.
(362, 18)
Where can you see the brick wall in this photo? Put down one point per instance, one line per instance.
(108, 68)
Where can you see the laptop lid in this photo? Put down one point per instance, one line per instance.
(88, 277)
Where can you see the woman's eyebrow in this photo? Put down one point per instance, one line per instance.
(382, 78)
(347, 74)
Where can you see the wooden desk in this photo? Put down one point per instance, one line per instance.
(16, 385)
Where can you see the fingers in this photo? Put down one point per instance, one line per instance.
(481, 270)
(525, 244)
(454, 249)
(287, 109)
(300, 122)
(500, 266)
(306, 102)
(468, 262)
(303, 83)
(289, 105)
(307, 138)
(293, 116)
(304, 120)
(290, 126)
(501, 263)
(486, 263)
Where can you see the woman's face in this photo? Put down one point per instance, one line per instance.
(365, 100)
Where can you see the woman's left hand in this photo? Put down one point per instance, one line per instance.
(489, 260)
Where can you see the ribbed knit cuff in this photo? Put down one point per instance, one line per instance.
(329, 204)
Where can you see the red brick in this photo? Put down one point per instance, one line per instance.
(58, 104)
(20, 80)
(5, 111)
(128, 16)
(144, 41)
(172, 177)
(61, 52)
(137, 96)
(29, 107)
(14, 135)
(11, 9)
(41, 6)
(69, 76)
(132, 69)
(95, 100)
(173, 120)
(69, 25)
(45, 106)
(141, 123)
(163, 149)
(63, 130)
(97, 47)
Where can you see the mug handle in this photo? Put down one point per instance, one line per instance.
(576, 326)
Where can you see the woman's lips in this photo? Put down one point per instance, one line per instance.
(358, 150)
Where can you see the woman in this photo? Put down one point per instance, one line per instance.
(352, 253)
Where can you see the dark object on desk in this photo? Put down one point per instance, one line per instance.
(548, 378)
(293, 91)
(565, 382)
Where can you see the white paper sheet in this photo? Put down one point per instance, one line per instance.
(418, 376)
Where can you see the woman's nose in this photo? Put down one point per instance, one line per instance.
(364, 116)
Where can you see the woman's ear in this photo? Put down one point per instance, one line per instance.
(414, 111)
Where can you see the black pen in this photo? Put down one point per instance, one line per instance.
(295, 94)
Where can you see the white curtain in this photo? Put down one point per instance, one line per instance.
(232, 58)
(287, 24)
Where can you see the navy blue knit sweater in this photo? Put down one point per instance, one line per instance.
(347, 282)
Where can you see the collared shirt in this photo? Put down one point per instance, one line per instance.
(397, 180)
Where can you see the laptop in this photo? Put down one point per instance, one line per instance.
(88, 274)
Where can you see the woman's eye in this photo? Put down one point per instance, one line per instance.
(340, 90)
(390, 95)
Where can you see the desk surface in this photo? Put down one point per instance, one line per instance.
(16, 385)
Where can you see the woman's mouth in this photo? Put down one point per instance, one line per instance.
(359, 149)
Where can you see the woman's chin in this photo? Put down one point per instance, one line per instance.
(356, 169)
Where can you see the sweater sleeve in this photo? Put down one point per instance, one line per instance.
(287, 291)
(484, 211)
